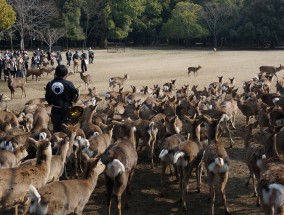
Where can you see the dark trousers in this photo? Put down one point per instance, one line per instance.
(58, 117)
(91, 59)
(83, 66)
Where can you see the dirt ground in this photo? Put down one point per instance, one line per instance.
(157, 66)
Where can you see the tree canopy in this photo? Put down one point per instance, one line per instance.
(184, 22)
(178, 22)
(8, 15)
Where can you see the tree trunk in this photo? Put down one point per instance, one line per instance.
(215, 41)
(11, 42)
(22, 43)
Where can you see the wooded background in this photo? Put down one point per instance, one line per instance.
(77, 23)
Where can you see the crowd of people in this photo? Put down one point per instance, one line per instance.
(16, 63)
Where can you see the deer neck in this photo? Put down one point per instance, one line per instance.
(132, 136)
(270, 148)
(279, 68)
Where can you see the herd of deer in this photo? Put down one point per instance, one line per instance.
(179, 127)
(21, 82)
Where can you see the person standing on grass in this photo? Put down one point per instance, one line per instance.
(76, 59)
(84, 61)
(91, 55)
(1, 63)
(58, 58)
(60, 93)
(68, 57)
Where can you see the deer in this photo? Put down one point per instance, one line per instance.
(227, 85)
(37, 72)
(166, 86)
(216, 162)
(88, 79)
(48, 70)
(217, 85)
(58, 161)
(271, 183)
(194, 70)
(255, 154)
(120, 160)
(167, 148)
(40, 119)
(67, 196)
(15, 181)
(14, 83)
(12, 159)
(270, 70)
(117, 81)
(99, 143)
(188, 156)
(3, 101)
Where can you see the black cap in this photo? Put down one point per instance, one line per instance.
(61, 71)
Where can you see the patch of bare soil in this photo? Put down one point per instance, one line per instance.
(153, 66)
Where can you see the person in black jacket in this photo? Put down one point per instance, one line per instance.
(84, 61)
(68, 57)
(60, 93)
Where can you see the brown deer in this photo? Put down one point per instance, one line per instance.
(120, 159)
(14, 83)
(217, 163)
(270, 69)
(271, 183)
(67, 196)
(117, 81)
(194, 70)
(87, 79)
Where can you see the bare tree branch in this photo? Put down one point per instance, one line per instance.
(216, 16)
(32, 15)
(50, 35)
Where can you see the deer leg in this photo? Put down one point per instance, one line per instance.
(198, 177)
(176, 173)
(16, 210)
(212, 198)
(250, 175)
(211, 181)
(76, 164)
(247, 120)
(233, 121)
(230, 136)
(254, 185)
(183, 191)
(223, 180)
(80, 162)
(152, 145)
(109, 186)
(121, 184)
(184, 177)
(118, 203)
(128, 183)
(164, 166)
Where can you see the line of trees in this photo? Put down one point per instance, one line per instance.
(179, 22)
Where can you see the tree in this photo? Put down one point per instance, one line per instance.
(71, 14)
(8, 15)
(32, 15)
(217, 16)
(51, 35)
(184, 22)
(123, 13)
(146, 26)
(90, 13)
(262, 21)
